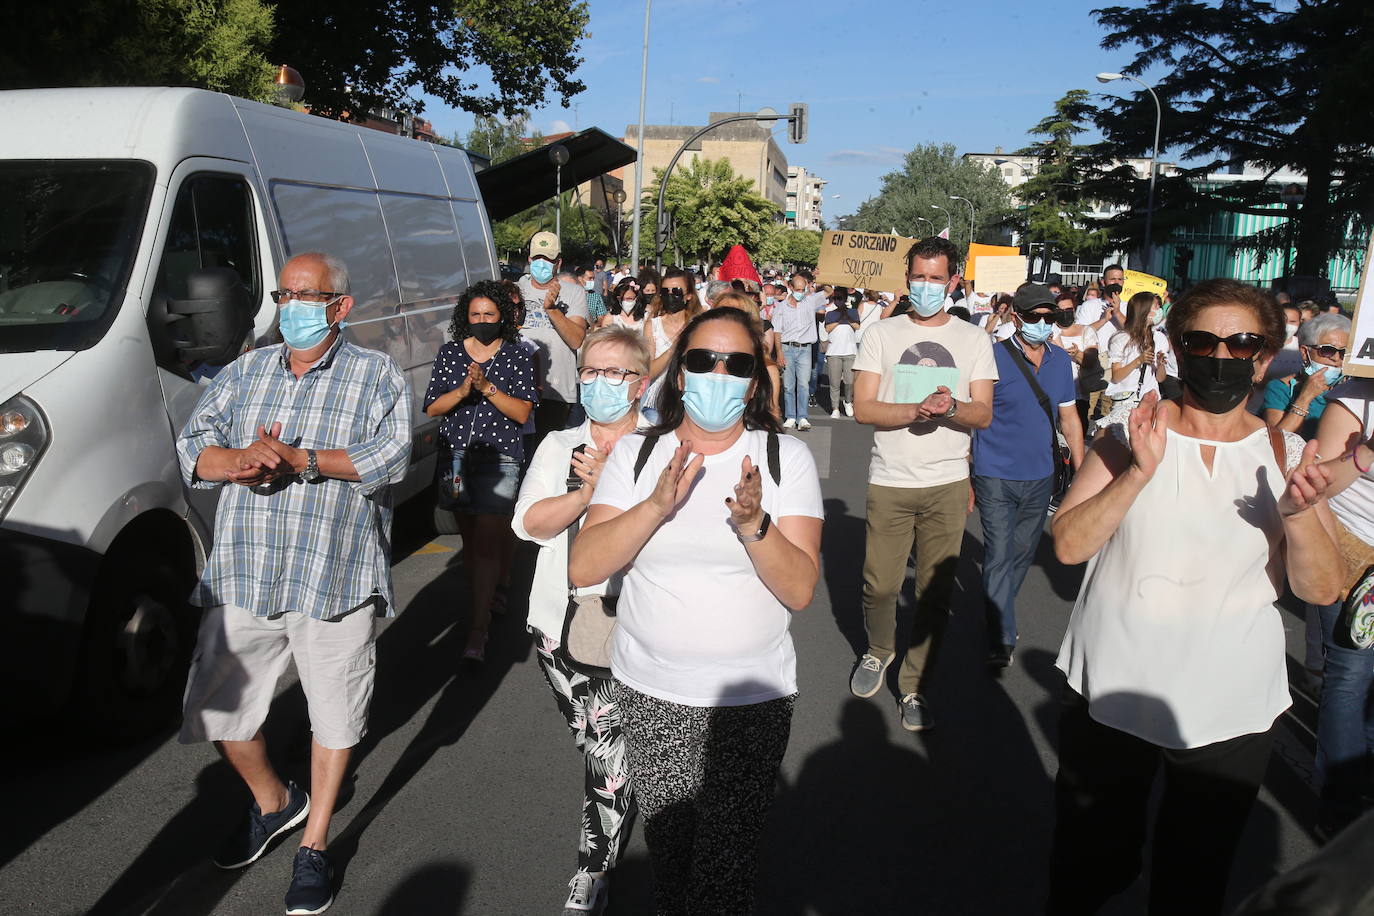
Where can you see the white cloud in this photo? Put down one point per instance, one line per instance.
(708, 79)
(558, 126)
(877, 155)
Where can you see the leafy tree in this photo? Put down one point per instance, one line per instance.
(1252, 81)
(931, 174)
(1057, 209)
(209, 44)
(711, 208)
(799, 247)
(358, 56)
(499, 139)
(585, 234)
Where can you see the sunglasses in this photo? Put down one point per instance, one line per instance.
(740, 365)
(1327, 351)
(1035, 317)
(1243, 345)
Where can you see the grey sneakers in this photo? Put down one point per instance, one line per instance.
(867, 678)
(916, 715)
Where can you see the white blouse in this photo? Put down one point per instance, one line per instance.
(1175, 637)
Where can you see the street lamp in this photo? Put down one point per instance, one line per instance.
(639, 149)
(558, 155)
(1154, 155)
(1292, 197)
(948, 224)
(970, 217)
(922, 219)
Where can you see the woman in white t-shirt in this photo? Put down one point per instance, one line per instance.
(1175, 655)
(1138, 361)
(625, 308)
(841, 327)
(716, 520)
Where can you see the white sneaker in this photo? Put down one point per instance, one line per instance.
(848, 409)
(803, 424)
(835, 414)
(789, 423)
(586, 894)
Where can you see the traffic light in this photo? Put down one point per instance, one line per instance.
(796, 127)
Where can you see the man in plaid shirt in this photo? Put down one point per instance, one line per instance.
(311, 434)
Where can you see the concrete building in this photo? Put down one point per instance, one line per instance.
(750, 150)
(805, 196)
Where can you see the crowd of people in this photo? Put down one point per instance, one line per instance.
(635, 429)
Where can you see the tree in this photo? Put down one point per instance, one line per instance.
(711, 208)
(930, 174)
(359, 56)
(1056, 212)
(799, 247)
(501, 140)
(584, 230)
(209, 44)
(1253, 81)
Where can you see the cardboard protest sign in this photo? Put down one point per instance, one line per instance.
(1359, 355)
(1137, 282)
(867, 259)
(1001, 273)
(976, 251)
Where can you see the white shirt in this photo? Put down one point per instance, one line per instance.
(1090, 311)
(1085, 340)
(1354, 506)
(843, 339)
(560, 369)
(1175, 637)
(1120, 351)
(695, 624)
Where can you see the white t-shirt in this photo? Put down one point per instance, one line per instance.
(1085, 340)
(1175, 637)
(695, 624)
(1354, 506)
(559, 360)
(870, 313)
(1121, 350)
(924, 454)
(1090, 311)
(1005, 330)
(843, 340)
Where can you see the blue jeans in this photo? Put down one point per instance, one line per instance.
(1013, 514)
(1345, 717)
(795, 381)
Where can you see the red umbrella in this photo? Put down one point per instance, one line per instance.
(738, 266)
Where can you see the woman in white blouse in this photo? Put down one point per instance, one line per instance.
(1175, 653)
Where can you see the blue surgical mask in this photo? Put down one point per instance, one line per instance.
(1333, 373)
(1036, 332)
(303, 324)
(604, 402)
(927, 297)
(798, 294)
(769, 300)
(541, 270)
(714, 400)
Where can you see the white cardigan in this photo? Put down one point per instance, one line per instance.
(548, 476)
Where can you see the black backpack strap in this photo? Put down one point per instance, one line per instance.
(646, 449)
(774, 458)
(1021, 363)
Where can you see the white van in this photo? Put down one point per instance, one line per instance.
(140, 233)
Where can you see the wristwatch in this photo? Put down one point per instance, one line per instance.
(757, 535)
(312, 466)
(488, 391)
(953, 409)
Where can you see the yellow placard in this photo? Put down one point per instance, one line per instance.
(1359, 355)
(1001, 273)
(977, 250)
(863, 259)
(1137, 282)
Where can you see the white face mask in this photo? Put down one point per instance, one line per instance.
(1292, 330)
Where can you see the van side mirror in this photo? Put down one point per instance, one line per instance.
(210, 325)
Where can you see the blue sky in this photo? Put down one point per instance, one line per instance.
(881, 76)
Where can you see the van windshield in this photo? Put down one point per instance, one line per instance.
(68, 234)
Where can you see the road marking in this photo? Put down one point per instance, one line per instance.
(433, 547)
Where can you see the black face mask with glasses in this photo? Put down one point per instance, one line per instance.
(1217, 384)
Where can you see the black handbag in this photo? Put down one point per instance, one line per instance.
(1060, 455)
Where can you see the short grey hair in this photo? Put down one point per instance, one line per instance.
(715, 288)
(1311, 331)
(335, 268)
(632, 341)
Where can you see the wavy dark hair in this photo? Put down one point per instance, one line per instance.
(631, 286)
(458, 328)
(758, 411)
(1209, 293)
(694, 304)
(1138, 327)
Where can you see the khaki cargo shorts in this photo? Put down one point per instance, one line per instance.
(239, 658)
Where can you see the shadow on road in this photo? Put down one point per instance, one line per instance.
(430, 890)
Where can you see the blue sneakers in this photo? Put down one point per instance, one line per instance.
(247, 844)
(312, 883)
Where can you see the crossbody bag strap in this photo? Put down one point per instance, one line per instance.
(1024, 365)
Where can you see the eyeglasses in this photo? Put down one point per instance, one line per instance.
(612, 374)
(1327, 351)
(740, 365)
(1243, 345)
(322, 297)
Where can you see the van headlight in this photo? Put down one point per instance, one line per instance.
(23, 437)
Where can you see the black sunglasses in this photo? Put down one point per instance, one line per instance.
(1035, 317)
(740, 365)
(1243, 345)
(1327, 351)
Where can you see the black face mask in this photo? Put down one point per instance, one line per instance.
(486, 331)
(1218, 385)
(674, 300)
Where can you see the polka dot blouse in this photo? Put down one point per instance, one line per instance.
(475, 421)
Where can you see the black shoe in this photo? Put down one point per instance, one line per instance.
(247, 844)
(312, 883)
(811, 401)
(1000, 657)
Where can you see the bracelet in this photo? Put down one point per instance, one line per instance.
(1294, 408)
(1354, 452)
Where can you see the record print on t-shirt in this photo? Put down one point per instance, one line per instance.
(924, 366)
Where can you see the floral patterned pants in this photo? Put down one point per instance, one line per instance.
(590, 707)
(704, 779)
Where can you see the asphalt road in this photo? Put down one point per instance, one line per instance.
(466, 792)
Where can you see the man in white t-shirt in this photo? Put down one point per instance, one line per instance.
(556, 319)
(924, 380)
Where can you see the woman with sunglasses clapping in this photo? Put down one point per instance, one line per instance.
(1189, 516)
(716, 520)
(1294, 404)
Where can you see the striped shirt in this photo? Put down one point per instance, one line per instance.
(320, 548)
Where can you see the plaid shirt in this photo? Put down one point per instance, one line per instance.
(317, 548)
